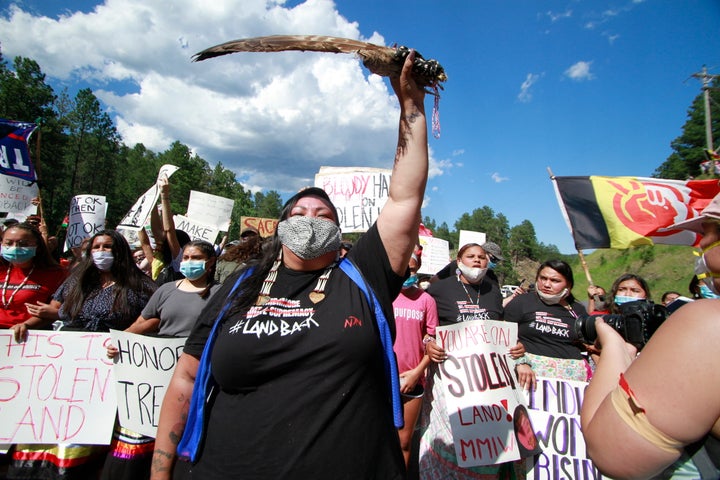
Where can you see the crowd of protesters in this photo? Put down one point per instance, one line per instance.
(340, 392)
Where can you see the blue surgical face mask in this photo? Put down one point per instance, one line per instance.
(620, 299)
(705, 292)
(411, 281)
(17, 254)
(192, 269)
(491, 265)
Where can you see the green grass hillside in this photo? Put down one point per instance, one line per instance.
(664, 267)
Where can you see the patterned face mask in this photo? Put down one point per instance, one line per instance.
(309, 237)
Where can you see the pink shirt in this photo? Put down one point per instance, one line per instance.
(415, 316)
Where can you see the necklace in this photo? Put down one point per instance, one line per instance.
(317, 295)
(6, 303)
(477, 301)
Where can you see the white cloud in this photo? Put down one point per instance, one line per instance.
(525, 96)
(438, 167)
(272, 118)
(497, 178)
(555, 16)
(580, 71)
(611, 37)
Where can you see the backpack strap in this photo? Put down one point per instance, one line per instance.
(391, 369)
(189, 444)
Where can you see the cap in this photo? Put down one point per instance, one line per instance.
(711, 212)
(309, 192)
(249, 231)
(493, 249)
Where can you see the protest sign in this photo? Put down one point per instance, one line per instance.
(554, 409)
(56, 387)
(211, 209)
(137, 216)
(16, 195)
(265, 226)
(14, 153)
(86, 218)
(468, 236)
(435, 255)
(196, 230)
(143, 368)
(358, 194)
(481, 390)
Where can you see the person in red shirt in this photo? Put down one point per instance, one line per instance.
(28, 278)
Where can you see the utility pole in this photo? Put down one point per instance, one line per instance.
(706, 80)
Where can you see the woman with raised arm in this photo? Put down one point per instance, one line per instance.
(301, 362)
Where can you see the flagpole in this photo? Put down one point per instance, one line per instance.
(585, 267)
(43, 225)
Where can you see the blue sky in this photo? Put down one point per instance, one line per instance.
(581, 87)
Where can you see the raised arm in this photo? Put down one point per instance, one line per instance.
(169, 234)
(675, 380)
(173, 415)
(399, 219)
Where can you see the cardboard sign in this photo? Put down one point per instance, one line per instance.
(554, 409)
(265, 226)
(16, 197)
(143, 368)
(212, 209)
(358, 194)
(57, 387)
(481, 390)
(86, 218)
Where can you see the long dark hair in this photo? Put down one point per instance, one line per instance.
(564, 269)
(270, 251)
(43, 258)
(243, 251)
(622, 278)
(85, 278)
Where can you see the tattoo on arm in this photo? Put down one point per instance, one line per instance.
(405, 133)
(162, 461)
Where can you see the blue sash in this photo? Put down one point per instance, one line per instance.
(204, 385)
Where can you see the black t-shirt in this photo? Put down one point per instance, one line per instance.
(460, 302)
(303, 391)
(546, 330)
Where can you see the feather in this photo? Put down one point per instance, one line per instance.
(384, 61)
